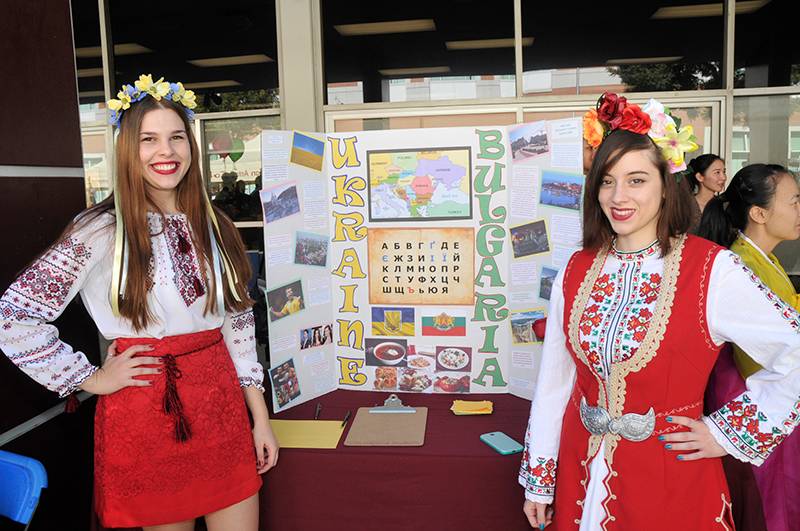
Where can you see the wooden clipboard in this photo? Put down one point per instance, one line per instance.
(390, 425)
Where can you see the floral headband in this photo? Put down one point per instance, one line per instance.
(614, 112)
(145, 86)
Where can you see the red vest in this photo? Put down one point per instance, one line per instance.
(649, 489)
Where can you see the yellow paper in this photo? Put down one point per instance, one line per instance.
(472, 407)
(307, 433)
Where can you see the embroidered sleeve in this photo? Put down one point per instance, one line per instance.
(553, 387)
(742, 310)
(37, 297)
(239, 332)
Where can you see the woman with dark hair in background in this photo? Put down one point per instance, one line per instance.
(760, 209)
(706, 178)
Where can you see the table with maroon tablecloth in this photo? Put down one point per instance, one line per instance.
(453, 482)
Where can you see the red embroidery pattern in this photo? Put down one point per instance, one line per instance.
(786, 311)
(184, 260)
(538, 475)
(741, 422)
(41, 291)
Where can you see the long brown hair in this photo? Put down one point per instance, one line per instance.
(674, 214)
(135, 201)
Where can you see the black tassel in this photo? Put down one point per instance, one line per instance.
(183, 431)
(172, 401)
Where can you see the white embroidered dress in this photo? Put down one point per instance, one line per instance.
(740, 309)
(82, 264)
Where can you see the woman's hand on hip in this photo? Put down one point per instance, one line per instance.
(120, 370)
(698, 441)
(539, 515)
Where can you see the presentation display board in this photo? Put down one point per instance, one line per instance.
(415, 260)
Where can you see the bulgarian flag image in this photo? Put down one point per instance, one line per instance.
(445, 323)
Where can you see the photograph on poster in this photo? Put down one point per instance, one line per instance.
(529, 239)
(316, 336)
(311, 249)
(415, 380)
(280, 201)
(285, 300)
(524, 328)
(546, 282)
(451, 382)
(284, 382)
(529, 140)
(307, 151)
(453, 358)
(392, 321)
(383, 352)
(420, 185)
(385, 379)
(560, 189)
(443, 322)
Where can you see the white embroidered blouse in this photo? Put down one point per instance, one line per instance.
(740, 309)
(82, 264)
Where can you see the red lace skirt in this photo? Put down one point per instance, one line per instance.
(180, 448)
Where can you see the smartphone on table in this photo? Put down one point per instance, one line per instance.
(502, 443)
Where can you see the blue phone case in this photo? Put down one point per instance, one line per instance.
(502, 443)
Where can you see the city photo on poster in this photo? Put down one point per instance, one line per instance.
(529, 239)
(529, 140)
(280, 201)
(311, 249)
(561, 189)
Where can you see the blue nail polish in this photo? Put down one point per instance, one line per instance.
(668, 447)
(541, 526)
(680, 458)
(669, 419)
(660, 437)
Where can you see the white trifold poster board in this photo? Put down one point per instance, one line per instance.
(415, 260)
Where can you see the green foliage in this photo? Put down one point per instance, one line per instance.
(239, 101)
(669, 76)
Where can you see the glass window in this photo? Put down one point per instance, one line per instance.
(766, 52)
(225, 52)
(422, 122)
(232, 163)
(576, 47)
(418, 50)
(768, 124)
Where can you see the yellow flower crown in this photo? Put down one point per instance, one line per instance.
(145, 86)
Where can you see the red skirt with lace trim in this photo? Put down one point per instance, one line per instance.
(178, 449)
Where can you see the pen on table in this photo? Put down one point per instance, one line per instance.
(346, 418)
(316, 413)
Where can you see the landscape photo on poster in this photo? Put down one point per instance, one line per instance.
(561, 189)
(307, 151)
(546, 279)
(522, 326)
(419, 185)
(529, 140)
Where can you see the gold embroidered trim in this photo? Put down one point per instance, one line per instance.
(727, 507)
(615, 399)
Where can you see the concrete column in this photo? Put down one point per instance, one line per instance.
(300, 64)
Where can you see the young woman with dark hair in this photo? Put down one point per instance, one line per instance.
(616, 437)
(707, 178)
(760, 209)
(172, 436)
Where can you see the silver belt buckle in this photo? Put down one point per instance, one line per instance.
(630, 426)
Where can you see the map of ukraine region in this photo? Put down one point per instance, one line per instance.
(408, 185)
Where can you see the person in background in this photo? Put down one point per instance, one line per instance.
(706, 178)
(760, 209)
(173, 441)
